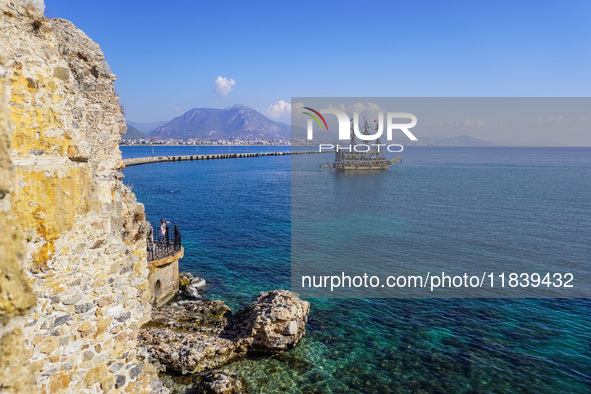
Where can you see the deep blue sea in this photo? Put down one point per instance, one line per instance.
(234, 216)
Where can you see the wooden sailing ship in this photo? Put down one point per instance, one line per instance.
(348, 160)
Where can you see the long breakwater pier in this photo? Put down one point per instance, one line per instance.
(157, 159)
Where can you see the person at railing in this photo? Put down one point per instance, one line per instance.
(164, 244)
(162, 231)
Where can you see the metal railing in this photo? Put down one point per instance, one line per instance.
(163, 245)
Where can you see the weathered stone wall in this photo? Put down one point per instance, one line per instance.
(16, 297)
(84, 232)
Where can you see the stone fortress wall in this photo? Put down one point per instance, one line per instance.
(80, 244)
(16, 297)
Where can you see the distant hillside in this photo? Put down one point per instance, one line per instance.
(146, 127)
(462, 140)
(214, 124)
(133, 134)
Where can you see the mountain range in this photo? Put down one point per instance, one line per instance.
(146, 127)
(246, 123)
(237, 121)
(133, 133)
(461, 140)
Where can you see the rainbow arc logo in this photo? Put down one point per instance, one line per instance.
(315, 118)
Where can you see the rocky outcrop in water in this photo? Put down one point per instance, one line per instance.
(197, 336)
(198, 316)
(189, 352)
(190, 285)
(275, 321)
(222, 383)
(187, 336)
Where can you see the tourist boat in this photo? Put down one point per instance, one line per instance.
(349, 160)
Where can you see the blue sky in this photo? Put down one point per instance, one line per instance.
(168, 55)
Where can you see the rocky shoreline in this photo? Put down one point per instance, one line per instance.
(195, 337)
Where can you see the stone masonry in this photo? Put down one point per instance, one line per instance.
(83, 248)
(16, 297)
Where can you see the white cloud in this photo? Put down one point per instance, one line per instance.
(223, 86)
(278, 110)
(369, 109)
(474, 122)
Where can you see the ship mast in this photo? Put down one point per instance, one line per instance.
(349, 159)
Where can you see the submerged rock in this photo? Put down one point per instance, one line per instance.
(222, 383)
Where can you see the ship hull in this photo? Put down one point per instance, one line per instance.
(340, 167)
(362, 169)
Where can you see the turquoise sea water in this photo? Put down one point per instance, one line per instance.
(234, 216)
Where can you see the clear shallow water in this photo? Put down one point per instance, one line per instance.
(234, 216)
(456, 210)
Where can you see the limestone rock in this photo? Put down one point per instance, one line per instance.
(197, 336)
(198, 283)
(184, 280)
(209, 316)
(191, 292)
(190, 285)
(188, 336)
(222, 383)
(39, 4)
(275, 321)
(189, 352)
